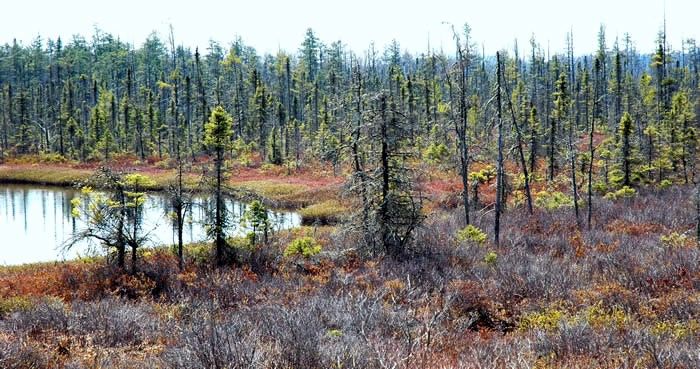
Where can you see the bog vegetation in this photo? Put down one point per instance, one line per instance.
(512, 210)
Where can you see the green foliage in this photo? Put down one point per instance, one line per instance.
(548, 320)
(243, 151)
(674, 240)
(679, 330)
(12, 304)
(52, 158)
(471, 233)
(199, 253)
(274, 150)
(664, 184)
(256, 218)
(335, 333)
(490, 258)
(326, 145)
(599, 316)
(436, 153)
(217, 131)
(623, 193)
(484, 175)
(616, 177)
(552, 200)
(304, 246)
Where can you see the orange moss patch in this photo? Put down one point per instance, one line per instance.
(633, 229)
(58, 279)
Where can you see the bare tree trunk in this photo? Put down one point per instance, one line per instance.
(572, 158)
(591, 150)
(357, 164)
(219, 216)
(384, 155)
(499, 170)
(461, 127)
(521, 154)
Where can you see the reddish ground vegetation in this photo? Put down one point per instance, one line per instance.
(551, 295)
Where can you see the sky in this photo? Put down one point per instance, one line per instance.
(270, 25)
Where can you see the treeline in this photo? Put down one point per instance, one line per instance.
(631, 113)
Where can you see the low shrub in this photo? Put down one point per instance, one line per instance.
(674, 239)
(490, 258)
(436, 153)
(304, 246)
(471, 233)
(11, 304)
(547, 320)
(552, 200)
(623, 193)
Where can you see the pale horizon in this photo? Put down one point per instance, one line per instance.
(279, 25)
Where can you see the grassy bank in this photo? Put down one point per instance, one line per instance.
(318, 199)
(43, 175)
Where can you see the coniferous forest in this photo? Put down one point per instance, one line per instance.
(531, 208)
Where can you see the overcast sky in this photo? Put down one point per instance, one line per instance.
(269, 25)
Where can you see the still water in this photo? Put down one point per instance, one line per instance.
(35, 222)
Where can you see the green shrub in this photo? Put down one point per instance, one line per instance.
(304, 246)
(436, 153)
(12, 304)
(664, 184)
(553, 200)
(674, 239)
(471, 234)
(548, 320)
(616, 177)
(600, 187)
(199, 253)
(623, 193)
(52, 158)
(490, 257)
(484, 175)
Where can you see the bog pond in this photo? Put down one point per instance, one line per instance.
(35, 222)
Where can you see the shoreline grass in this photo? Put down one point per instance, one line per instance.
(273, 192)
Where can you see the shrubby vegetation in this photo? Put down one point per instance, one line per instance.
(570, 298)
(444, 199)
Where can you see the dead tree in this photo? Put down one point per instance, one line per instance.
(499, 166)
(521, 154)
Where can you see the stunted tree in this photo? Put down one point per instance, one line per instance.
(625, 149)
(391, 207)
(217, 138)
(256, 218)
(521, 152)
(560, 116)
(113, 217)
(399, 210)
(135, 185)
(461, 124)
(180, 199)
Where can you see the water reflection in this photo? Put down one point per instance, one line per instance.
(35, 221)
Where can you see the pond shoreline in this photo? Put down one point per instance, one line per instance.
(38, 222)
(314, 204)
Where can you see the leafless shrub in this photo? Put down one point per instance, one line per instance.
(114, 323)
(210, 344)
(18, 354)
(43, 316)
